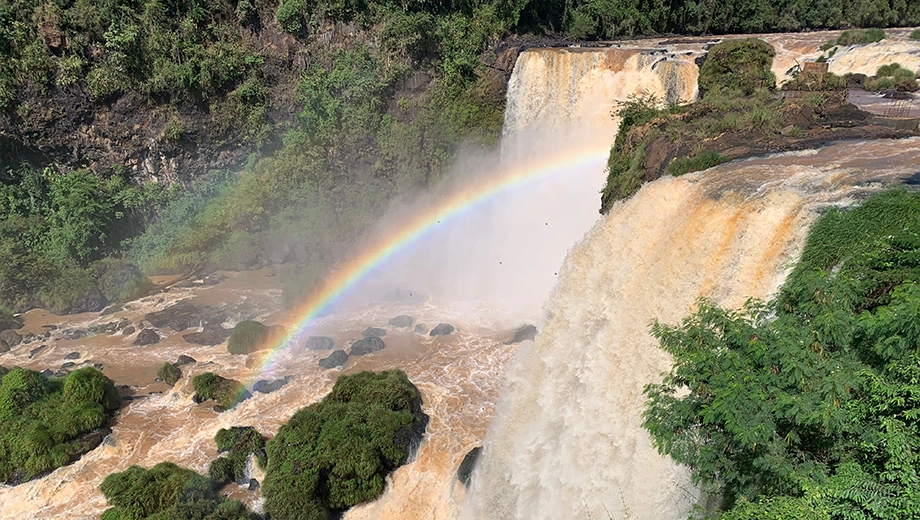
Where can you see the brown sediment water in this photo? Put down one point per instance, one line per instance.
(565, 442)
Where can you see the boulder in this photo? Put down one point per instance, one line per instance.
(421, 329)
(72, 334)
(179, 317)
(374, 332)
(266, 387)
(73, 355)
(146, 337)
(366, 346)
(11, 337)
(403, 321)
(465, 471)
(47, 373)
(527, 332)
(127, 331)
(443, 329)
(207, 338)
(320, 343)
(184, 360)
(68, 365)
(253, 484)
(337, 359)
(36, 351)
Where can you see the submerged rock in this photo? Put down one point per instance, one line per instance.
(184, 360)
(73, 355)
(421, 329)
(443, 329)
(146, 337)
(403, 321)
(266, 387)
(367, 345)
(465, 471)
(207, 338)
(527, 332)
(337, 359)
(374, 332)
(320, 343)
(127, 331)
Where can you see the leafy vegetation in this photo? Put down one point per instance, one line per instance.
(336, 453)
(741, 66)
(169, 373)
(805, 406)
(43, 421)
(167, 491)
(247, 336)
(240, 442)
(737, 82)
(227, 392)
(892, 76)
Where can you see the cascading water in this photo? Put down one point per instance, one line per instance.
(567, 440)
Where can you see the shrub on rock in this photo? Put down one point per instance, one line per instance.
(47, 423)
(169, 373)
(239, 442)
(248, 336)
(166, 491)
(227, 392)
(337, 453)
(738, 65)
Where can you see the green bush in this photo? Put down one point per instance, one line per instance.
(240, 442)
(336, 453)
(227, 392)
(738, 65)
(915, 34)
(166, 491)
(43, 421)
(892, 76)
(698, 162)
(803, 406)
(247, 336)
(860, 36)
(169, 374)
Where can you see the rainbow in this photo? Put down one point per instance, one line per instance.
(414, 229)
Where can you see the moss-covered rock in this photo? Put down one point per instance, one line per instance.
(239, 442)
(248, 336)
(337, 453)
(169, 373)
(738, 65)
(227, 392)
(47, 423)
(166, 491)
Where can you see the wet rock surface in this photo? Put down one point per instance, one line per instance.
(374, 332)
(146, 337)
(366, 346)
(443, 329)
(403, 321)
(527, 332)
(337, 359)
(320, 343)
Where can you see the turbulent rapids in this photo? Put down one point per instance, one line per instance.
(559, 417)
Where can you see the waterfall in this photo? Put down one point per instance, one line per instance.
(567, 440)
(565, 95)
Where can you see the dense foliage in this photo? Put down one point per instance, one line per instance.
(43, 421)
(227, 392)
(337, 453)
(806, 406)
(56, 230)
(239, 443)
(169, 373)
(736, 83)
(247, 336)
(166, 491)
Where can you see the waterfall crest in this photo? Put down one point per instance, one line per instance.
(567, 440)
